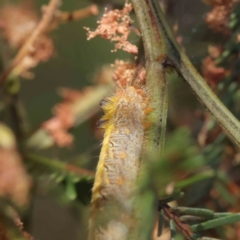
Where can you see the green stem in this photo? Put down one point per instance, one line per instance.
(184, 67)
(161, 49)
(229, 219)
(155, 54)
(157, 86)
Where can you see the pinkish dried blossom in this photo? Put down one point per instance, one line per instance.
(14, 181)
(212, 74)
(115, 26)
(124, 73)
(17, 23)
(215, 51)
(63, 120)
(218, 18)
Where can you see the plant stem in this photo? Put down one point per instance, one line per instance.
(184, 67)
(229, 219)
(11, 91)
(161, 50)
(155, 54)
(157, 86)
(24, 50)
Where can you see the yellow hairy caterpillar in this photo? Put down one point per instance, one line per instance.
(124, 122)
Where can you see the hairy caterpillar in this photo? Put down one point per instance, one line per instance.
(124, 122)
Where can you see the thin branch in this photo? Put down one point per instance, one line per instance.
(155, 54)
(63, 17)
(43, 24)
(162, 50)
(16, 107)
(182, 226)
(182, 64)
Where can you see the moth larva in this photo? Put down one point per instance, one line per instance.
(124, 122)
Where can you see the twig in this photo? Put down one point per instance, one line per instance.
(182, 226)
(16, 107)
(155, 53)
(43, 24)
(213, 223)
(76, 15)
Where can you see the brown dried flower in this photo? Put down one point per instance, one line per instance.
(218, 18)
(212, 74)
(115, 26)
(42, 51)
(217, 2)
(123, 72)
(59, 125)
(14, 181)
(17, 22)
(215, 51)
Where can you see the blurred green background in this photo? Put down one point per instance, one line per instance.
(76, 60)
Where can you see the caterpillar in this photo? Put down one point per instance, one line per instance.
(124, 122)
